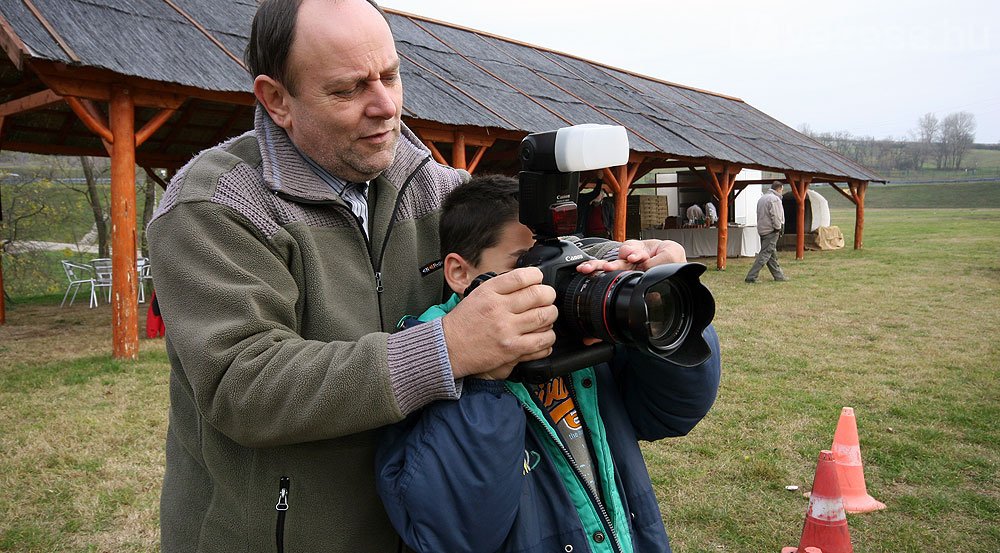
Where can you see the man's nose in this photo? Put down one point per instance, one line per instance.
(381, 103)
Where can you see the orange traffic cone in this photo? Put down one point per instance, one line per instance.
(826, 521)
(850, 471)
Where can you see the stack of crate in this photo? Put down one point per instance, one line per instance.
(646, 211)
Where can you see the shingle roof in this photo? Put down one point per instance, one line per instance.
(453, 76)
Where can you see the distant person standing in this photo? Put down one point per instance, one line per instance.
(596, 213)
(694, 214)
(711, 215)
(770, 223)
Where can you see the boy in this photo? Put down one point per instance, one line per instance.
(515, 467)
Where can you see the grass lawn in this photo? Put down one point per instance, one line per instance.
(905, 331)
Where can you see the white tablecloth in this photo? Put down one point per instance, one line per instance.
(704, 242)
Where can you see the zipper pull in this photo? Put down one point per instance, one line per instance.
(282, 504)
(378, 283)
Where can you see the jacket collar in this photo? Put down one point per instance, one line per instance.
(287, 173)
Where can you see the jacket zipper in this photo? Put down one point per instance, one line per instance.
(605, 518)
(597, 473)
(377, 267)
(284, 484)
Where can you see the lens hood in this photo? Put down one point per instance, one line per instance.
(668, 310)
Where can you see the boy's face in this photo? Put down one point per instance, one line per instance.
(515, 239)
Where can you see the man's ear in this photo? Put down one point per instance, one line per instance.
(458, 273)
(274, 97)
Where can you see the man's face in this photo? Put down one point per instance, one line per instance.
(348, 94)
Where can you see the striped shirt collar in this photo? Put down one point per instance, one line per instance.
(336, 183)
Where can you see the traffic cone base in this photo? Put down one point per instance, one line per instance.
(796, 549)
(850, 471)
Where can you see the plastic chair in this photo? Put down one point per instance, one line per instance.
(102, 278)
(144, 271)
(77, 275)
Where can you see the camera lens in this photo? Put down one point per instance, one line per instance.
(655, 310)
(667, 312)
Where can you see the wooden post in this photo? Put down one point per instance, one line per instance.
(800, 186)
(124, 304)
(458, 151)
(619, 179)
(858, 190)
(722, 180)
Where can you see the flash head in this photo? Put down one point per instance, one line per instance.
(574, 149)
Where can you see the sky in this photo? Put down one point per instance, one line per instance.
(870, 68)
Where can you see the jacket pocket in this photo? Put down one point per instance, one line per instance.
(284, 485)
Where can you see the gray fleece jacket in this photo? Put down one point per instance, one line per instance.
(278, 312)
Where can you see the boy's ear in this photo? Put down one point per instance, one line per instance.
(458, 273)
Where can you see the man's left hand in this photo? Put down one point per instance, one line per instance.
(638, 255)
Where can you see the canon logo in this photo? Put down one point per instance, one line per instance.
(573, 257)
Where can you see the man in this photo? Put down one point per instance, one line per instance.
(694, 214)
(285, 256)
(770, 224)
(711, 215)
(596, 213)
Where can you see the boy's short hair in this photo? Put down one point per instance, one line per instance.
(474, 214)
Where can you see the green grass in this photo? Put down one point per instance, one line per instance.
(904, 330)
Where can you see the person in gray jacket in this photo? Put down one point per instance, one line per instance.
(770, 224)
(284, 258)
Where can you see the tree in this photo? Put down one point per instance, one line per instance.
(96, 206)
(927, 132)
(958, 133)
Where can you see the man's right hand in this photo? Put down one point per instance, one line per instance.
(506, 320)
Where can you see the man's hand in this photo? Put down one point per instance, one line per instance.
(508, 319)
(639, 255)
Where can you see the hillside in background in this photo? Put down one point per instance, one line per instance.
(954, 195)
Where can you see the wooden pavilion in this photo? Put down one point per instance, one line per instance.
(153, 82)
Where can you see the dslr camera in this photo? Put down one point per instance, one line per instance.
(662, 311)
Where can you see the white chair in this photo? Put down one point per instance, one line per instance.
(102, 278)
(77, 275)
(144, 272)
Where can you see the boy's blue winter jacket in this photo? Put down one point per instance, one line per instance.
(473, 475)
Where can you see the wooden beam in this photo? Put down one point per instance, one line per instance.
(154, 177)
(12, 44)
(124, 291)
(435, 152)
(474, 136)
(30, 102)
(153, 125)
(477, 158)
(88, 82)
(90, 119)
(842, 193)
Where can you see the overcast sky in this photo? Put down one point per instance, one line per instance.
(870, 67)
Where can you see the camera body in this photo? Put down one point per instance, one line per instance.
(662, 311)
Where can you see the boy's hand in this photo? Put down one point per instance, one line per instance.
(506, 320)
(638, 255)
